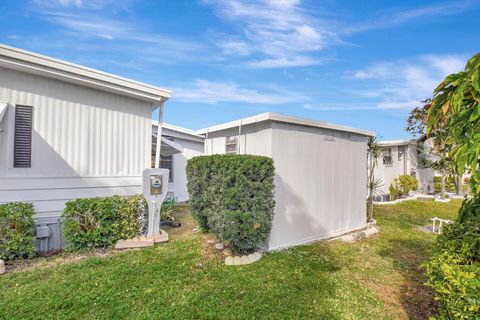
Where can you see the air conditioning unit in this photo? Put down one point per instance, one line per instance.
(387, 160)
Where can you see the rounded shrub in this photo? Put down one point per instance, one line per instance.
(233, 197)
(101, 222)
(17, 230)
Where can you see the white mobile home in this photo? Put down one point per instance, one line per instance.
(320, 178)
(68, 131)
(402, 157)
(178, 145)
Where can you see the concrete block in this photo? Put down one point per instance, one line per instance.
(162, 237)
(2, 267)
(134, 243)
(229, 261)
(237, 261)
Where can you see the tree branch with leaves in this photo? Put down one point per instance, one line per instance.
(455, 107)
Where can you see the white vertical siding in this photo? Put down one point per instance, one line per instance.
(179, 185)
(92, 143)
(320, 183)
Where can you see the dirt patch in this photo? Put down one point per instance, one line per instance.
(49, 260)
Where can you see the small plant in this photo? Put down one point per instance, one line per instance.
(233, 197)
(168, 207)
(101, 222)
(406, 184)
(395, 193)
(402, 186)
(17, 233)
(374, 184)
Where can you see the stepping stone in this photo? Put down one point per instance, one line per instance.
(134, 243)
(162, 237)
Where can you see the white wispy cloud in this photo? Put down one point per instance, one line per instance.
(403, 84)
(281, 33)
(285, 33)
(210, 92)
(77, 3)
(414, 14)
(94, 21)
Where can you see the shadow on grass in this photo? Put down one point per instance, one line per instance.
(408, 256)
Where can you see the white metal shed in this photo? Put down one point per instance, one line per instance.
(320, 178)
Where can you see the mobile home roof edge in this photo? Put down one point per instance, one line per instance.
(29, 62)
(396, 142)
(178, 129)
(269, 116)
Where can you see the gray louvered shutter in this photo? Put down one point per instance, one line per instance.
(22, 151)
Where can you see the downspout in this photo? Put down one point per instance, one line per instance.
(159, 134)
(239, 135)
(205, 147)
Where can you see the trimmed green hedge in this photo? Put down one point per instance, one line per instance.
(233, 196)
(454, 270)
(17, 230)
(101, 222)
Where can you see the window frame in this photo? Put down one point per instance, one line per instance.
(385, 156)
(230, 144)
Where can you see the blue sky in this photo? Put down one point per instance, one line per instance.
(359, 63)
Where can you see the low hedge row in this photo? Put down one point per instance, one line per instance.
(17, 233)
(101, 222)
(454, 270)
(233, 196)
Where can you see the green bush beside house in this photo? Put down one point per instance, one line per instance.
(101, 222)
(233, 197)
(17, 233)
(402, 186)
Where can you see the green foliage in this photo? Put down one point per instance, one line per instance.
(449, 184)
(402, 185)
(407, 183)
(17, 230)
(394, 192)
(100, 222)
(168, 207)
(456, 106)
(233, 196)
(454, 271)
(374, 151)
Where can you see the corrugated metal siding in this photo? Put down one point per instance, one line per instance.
(85, 142)
(320, 183)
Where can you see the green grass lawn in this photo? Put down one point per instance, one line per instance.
(377, 278)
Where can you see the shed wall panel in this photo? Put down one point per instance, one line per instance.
(320, 183)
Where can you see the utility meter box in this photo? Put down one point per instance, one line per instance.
(155, 184)
(155, 189)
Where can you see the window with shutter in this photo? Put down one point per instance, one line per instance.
(22, 149)
(231, 144)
